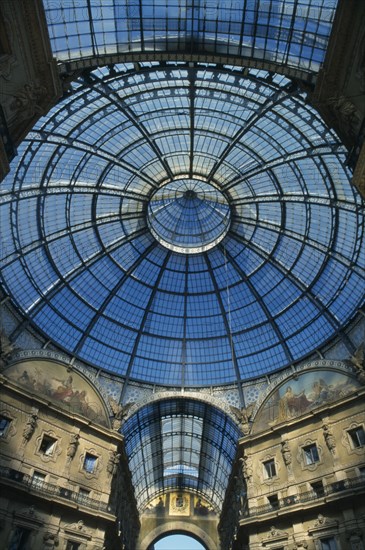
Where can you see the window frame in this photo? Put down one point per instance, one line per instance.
(269, 469)
(274, 501)
(308, 452)
(21, 537)
(356, 442)
(89, 457)
(5, 423)
(332, 543)
(318, 488)
(49, 451)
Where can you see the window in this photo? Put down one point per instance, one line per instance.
(328, 544)
(318, 488)
(4, 425)
(311, 455)
(357, 437)
(72, 545)
(20, 539)
(48, 445)
(273, 501)
(269, 469)
(90, 463)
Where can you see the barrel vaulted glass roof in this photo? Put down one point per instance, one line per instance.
(291, 33)
(180, 443)
(136, 155)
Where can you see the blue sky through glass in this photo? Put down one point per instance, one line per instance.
(178, 542)
(286, 32)
(83, 265)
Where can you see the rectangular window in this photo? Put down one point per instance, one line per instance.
(311, 455)
(273, 501)
(328, 544)
(20, 539)
(357, 437)
(48, 445)
(4, 425)
(90, 463)
(269, 469)
(72, 545)
(318, 488)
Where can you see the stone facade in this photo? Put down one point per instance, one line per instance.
(29, 81)
(64, 477)
(305, 484)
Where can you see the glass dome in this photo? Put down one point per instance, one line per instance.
(188, 216)
(184, 225)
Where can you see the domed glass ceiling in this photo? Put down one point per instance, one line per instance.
(139, 159)
(188, 216)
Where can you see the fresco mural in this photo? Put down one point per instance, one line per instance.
(68, 389)
(298, 396)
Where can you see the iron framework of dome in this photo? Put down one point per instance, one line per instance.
(84, 267)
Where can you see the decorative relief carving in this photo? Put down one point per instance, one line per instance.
(50, 540)
(274, 536)
(346, 114)
(329, 438)
(285, 451)
(113, 463)
(30, 425)
(6, 348)
(179, 504)
(120, 413)
(78, 528)
(29, 513)
(72, 446)
(26, 102)
(358, 362)
(243, 416)
(323, 524)
(246, 468)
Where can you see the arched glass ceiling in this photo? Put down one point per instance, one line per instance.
(292, 33)
(180, 444)
(188, 215)
(83, 266)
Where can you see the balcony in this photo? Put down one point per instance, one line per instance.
(27, 482)
(346, 485)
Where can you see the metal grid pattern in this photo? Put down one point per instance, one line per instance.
(180, 443)
(188, 216)
(288, 32)
(81, 264)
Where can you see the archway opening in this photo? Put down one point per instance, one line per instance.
(177, 542)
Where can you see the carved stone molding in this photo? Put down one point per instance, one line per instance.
(323, 525)
(275, 536)
(78, 528)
